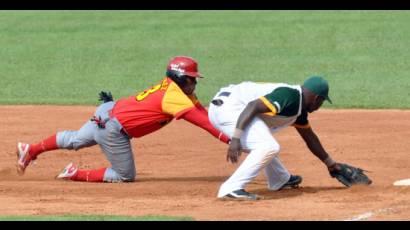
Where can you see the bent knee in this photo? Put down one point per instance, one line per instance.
(113, 176)
(271, 149)
(127, 176)
(272, 153)
(69, 140)
(275, 149)
(268, 153)
(128, 179)
(76, 145)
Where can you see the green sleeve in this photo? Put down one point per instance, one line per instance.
(285, 100)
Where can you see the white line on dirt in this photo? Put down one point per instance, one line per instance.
(367, 215)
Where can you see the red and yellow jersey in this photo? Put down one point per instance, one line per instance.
(153, 108)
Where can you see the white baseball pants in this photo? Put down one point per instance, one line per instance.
(256, 139)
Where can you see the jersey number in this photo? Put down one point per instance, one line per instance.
(147, 92)
(141, 96)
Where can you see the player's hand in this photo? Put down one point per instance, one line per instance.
(234, 150)
(349, 175)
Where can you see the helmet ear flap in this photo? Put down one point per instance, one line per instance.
(177, 77)
(172, 74)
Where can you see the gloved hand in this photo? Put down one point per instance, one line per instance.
(349, 175)
(105, 96)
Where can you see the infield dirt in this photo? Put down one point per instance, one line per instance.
(180, 168)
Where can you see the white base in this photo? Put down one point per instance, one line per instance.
(405, 182)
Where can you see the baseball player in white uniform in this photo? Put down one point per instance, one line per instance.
(250, 113)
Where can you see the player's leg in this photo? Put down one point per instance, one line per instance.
(276, 173)
(62, 140)
(34, 149)
(263, 148)
(224, 118)
(117, 148)
(75, 140)
(85, 136)
(105, 174)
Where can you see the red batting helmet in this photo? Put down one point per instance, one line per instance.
(182, 66)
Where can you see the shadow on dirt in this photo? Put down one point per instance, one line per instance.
(6, 173)
(182, 179)
(287, 193)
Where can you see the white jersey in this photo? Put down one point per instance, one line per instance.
(285, 104)
(284, 100)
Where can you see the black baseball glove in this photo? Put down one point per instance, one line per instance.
(105, 96)
(350, 175)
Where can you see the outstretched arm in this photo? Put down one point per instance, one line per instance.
(346, 174)
(199, 117)
(199, 106)
(314, 145)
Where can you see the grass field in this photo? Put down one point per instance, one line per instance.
(93, 218)
(67, 57)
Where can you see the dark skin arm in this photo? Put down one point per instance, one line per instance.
(251, 110)
(314, 145)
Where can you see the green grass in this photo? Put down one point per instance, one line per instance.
(67, 57)
(93, 218)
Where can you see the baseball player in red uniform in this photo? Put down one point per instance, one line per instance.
(115, 122)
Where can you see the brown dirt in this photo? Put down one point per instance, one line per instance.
(181, 167)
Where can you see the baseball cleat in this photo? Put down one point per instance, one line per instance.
(23, 157)
(293, 182)
(241, 194)
(68, 172)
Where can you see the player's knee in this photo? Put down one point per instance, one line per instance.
(113, 176)
(275, 148)
(66, 139)
(271, 151)
(128, 176)
(71, 140)
(272, 148)
(128, 179)
(77, 145)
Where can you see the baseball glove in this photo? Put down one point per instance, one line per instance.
(350, 175)
(105, 96)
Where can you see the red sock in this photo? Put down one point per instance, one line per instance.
(45, 145)
(94, 175)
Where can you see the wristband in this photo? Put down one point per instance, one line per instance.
(329, 162)
(237, 134)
